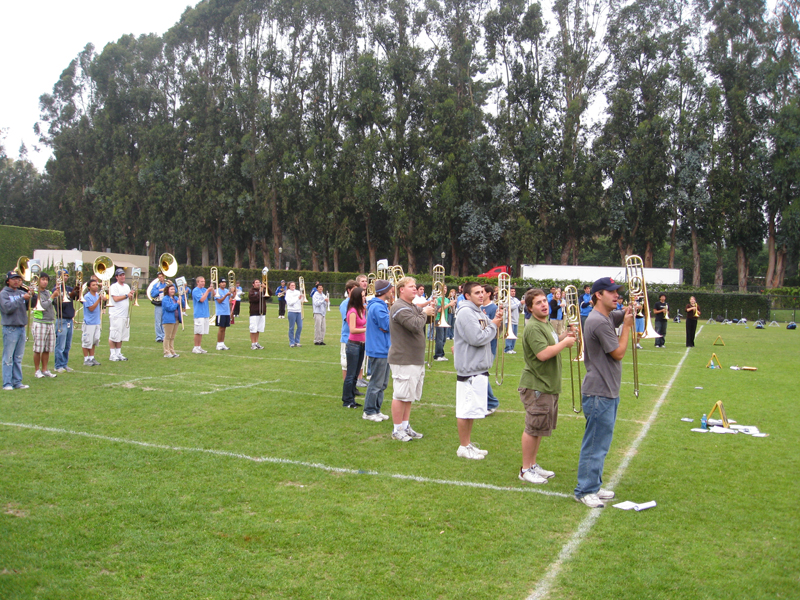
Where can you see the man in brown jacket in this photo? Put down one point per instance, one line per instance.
(407, 355)
(258, 308)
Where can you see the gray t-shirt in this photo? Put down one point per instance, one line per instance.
(603, 373)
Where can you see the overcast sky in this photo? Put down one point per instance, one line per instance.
(39, 39)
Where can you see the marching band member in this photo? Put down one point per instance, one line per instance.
(348, 289)
(158, 293)
(320, 307)
(586, 303)
(223, 312)
(515, 307)
(378, 342)
(43, 327)
(280, 292)
(692, 312)
(65, 327)
(202, 314)
(90, 336)
(120, 293)
(660, 310)
(258, 310)
(294, 303)
(13, 308)
(172, 312)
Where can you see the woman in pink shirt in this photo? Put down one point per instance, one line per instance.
(357, 321)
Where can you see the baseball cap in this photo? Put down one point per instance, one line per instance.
(119, 272)
(223, 280)
(605, 284)
(12, 275)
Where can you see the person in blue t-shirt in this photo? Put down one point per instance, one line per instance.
(90, 336)
(222, 303)
(586, 304)
(157, 293)
(202, 314)
(377, 347)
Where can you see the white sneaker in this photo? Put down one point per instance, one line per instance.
(259, 346)
(120, 357)
(69, 369)
(478, 450)
(639, 347)
(38, 375)
(383, 416)
(605, 494)
(253, 346)
(8, 388)
(197, 350)
(590, 500)
(401, 436)
(375, 418)
(542, 472)
(413, 434)
(49, 374)
(469, 452)
(220, 346)
(61, 370)
(203, 351)
(531, 476)
(441, 359)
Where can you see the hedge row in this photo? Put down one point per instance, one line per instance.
(22, 241)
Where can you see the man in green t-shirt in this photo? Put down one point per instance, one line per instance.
(540, 383)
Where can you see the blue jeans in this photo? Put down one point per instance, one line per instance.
(451, 320)
(355, 356)
(159, 324)
(13, 351)
(601, 414)
(511, 343)
(63, 341)
(492, 401)
(377, 384)
(441, 336)
(295, 321)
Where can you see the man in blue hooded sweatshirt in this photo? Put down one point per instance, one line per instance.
(377, 348)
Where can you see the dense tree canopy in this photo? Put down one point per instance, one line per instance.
(337, 132)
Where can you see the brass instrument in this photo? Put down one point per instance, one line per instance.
(574, 318)
(183, 303)
(136, 272)
(61, 287)
(232, 290)
(24, 270)
(214, 278)
(33, 284)
(264, 273)
(504, 332)
(397, 274)
(371, 285)
(79, 287)
(103, 269)
(382, 269)
(634, 275)
(302, 286)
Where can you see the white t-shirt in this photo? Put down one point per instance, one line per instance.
(119, 308)
(293, 303)
(419, 300)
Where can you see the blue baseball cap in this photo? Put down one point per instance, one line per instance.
(605, 284)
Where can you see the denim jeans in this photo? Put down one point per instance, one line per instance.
(13, 351)
(159, 324)
(601, 414)
(510, 343)
(441, 336)
(63, 341)
(355, 356)
(492, 401)
(295, 321)
(377, 384)
(451, 319)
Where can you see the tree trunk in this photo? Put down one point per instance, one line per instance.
(718, 271)
(409, 246)
(780, 267)
(325, 255)
(237, 258)
(695, 258)
(565, 251)
(771, 248)
(453, 260)
(251, 255)
(297, 252)
(672, 236)
(396, 254)
(188, 255)
(648, 256)
(277, 239)
(204, 260)
(359, 260)
(336, 260)
(315, 260)
(220, 255)
(742, 265)
(264, 252)
(464, 266)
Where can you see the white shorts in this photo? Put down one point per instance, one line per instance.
(407, 382)
(90, 336)
(201, 325)
(120, 330)
(257, 324)
(472, 398)
(343, 357)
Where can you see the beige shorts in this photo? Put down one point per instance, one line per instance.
(201, 326)
(407, 382)
(90, 336)
(343, 357)
(257, 324)
(472, 397)
(120, 330)
(541, 412)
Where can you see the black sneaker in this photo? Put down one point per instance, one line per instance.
(357, 393)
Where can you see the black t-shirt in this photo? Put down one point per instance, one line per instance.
(660, 306)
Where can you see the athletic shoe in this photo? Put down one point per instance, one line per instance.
(531, 476)
(38, 375)
(113, 357)
(375, 418)
(359, 382)
(401, 436)
(605, 494)
(176, 355)
(22, 386)
(352, 405)
(61, 370)
(168, 356)
(441, 359)
(478, 450)
(95, 363)
(316, 343)
(469, 452)
(357, 393)
(542, 472)
(120, 357)
(413, 434)
(197, 350)
(69, 369)
(49, 374)
(590, 500)
(298, 345)
(490, 412)
(323, 344)
(159, 341)
(512, 351)
(383, 416)
(203, 351)
(8, 388)
(639, 347)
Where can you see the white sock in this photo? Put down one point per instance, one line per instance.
(397, 427)
(404, 425)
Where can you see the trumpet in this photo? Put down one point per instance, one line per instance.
(574, 319)
(504, 332)
(634, 274)
(264, 273)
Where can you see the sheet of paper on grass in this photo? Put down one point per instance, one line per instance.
(628, 505)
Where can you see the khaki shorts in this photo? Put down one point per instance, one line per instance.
(120, 330)
(90, 336)
(201, 326)
(541, 412)
(407, 382)
(472, 398)
(44, 337)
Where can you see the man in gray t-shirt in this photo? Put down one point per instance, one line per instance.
(603, 354)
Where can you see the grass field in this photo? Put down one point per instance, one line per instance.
(238, 475)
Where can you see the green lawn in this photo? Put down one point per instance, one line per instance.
(238, 475)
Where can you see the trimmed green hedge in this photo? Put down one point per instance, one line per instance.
(22, 241)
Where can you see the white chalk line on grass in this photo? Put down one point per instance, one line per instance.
(286, 461)
(228, 388)
(545, 584)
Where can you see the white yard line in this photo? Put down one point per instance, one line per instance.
(545, 584)
(286, 461)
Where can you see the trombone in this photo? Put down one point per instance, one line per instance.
(574, 319)
(264, 273)
(634, 274)
(79, 287)
(504, 332)
(33, 286)
(438, 295)
(232, 290)
(136, 272)
(214, 276)
(301, 283)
